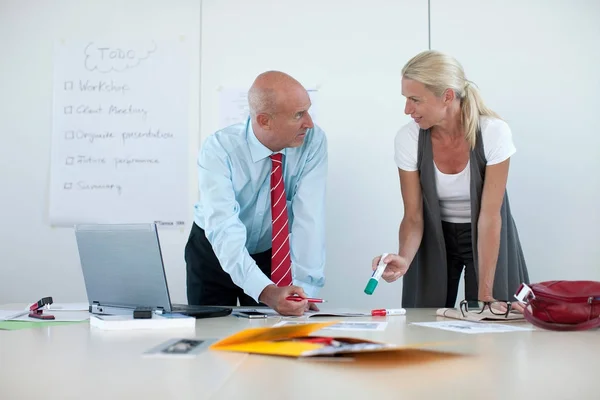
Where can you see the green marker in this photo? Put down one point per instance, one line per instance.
(374, 280)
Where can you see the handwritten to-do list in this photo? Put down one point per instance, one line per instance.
(120, 137)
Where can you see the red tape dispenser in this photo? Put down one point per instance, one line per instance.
(36, 310)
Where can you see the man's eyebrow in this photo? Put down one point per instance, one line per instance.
(306, 108)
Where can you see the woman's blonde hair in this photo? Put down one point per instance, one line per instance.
(438, 72)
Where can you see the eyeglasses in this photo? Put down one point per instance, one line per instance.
(501, 308)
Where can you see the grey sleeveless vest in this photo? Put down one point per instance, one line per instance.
(425, 283)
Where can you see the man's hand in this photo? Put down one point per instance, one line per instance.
(396, 267)
(311, 307)
(275, 297)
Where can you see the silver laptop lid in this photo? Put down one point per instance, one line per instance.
(122, 265)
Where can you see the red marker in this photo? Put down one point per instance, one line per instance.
(385, 312)
(309, 299)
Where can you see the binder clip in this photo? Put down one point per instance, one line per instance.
(36, 310)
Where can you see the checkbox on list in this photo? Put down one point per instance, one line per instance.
(69, 135)
(69, 85)
(69, 160)
(68, 185)
(69, 110)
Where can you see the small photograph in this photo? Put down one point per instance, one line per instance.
(180, 347)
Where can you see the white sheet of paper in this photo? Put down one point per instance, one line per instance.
(120, 132)
(344, 326)
(6, 315)
(308, 314)
(59, 316)
(233, 106)
(472, 327)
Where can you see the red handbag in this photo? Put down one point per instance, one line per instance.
(562, 305)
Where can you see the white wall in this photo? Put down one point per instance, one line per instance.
(36, 259)
(536, 65)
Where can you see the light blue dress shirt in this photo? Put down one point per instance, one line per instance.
(234, 209)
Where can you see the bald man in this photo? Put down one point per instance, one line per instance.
(259, 226)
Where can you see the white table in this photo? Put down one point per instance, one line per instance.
(75, 362)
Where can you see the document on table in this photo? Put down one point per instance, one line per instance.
(308, 314)
(6, 315)
(59, 316)
(472, 327)
(344, 326)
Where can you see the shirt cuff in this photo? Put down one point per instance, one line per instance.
(310, 290)
(256, 282)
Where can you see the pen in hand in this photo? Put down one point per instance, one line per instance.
(309, 299)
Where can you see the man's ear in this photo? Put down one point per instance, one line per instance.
(264, 121)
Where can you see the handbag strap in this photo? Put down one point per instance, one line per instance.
(591, 324)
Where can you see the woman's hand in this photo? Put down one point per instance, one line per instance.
(500, 306)
(396, 267)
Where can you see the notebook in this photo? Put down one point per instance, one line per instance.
(123, 269)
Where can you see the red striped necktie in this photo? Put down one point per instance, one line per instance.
(281, 265)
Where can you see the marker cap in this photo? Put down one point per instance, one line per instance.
(382, 312)
(371, 285)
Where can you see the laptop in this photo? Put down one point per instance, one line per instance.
(123, 269)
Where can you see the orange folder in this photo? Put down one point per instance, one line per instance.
(296, 341)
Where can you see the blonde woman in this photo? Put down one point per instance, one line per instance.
(453, 161)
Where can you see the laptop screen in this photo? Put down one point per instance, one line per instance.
(122, 265)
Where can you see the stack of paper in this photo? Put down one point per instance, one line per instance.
(127, 322)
